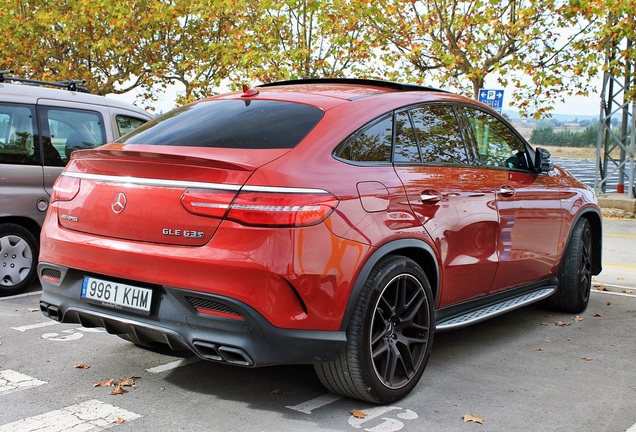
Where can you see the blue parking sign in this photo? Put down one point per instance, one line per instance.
(492, 98)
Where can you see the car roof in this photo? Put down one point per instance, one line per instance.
(26, 93)
(327, 93)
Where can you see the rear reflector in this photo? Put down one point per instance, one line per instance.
(266, 209)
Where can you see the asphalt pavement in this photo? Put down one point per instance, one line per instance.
(528, 370)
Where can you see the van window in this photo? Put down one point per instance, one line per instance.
(18, 141)
(126, 124)
(69, 130)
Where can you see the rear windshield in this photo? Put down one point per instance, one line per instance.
(249, 124)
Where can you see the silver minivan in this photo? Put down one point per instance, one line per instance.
(39, 128)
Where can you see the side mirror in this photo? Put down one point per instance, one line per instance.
(543, 160)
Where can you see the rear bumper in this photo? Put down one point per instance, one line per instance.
(215, 328)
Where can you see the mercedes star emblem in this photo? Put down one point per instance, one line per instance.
(119, 202)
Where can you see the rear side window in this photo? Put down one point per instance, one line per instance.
(18, 140)
(429, 134)
(249, 124)
(370, 144)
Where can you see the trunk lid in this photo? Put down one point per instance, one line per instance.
(134, 192)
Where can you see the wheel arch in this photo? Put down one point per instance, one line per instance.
(417, 250)
(29, 224)
(594, 218)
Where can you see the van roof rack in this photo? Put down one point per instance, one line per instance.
(71, 85)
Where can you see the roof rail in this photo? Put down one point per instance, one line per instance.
(371, 82)
(71, 85)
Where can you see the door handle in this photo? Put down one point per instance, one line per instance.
(507, 190)
(428, 197)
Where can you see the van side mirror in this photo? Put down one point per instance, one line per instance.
(542, 160)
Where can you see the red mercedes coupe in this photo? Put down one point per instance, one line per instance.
(333, 222)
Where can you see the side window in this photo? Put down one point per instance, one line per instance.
(70, 130)
(406, 148)
(125, 124)
(18, 139)
(498, 145)
(370, 144)
(439, 135)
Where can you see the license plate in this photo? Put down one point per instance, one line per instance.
(117, 295)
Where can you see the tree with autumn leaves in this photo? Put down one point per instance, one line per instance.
(540, 48)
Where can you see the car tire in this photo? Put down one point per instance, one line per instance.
(18, 258)
(389, 336)
(575, 276)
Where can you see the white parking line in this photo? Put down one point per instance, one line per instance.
(172, 365)
(84, 416)
(35, 326)
(320, 401)
(21, 295)
(632, 428)
(11, 380)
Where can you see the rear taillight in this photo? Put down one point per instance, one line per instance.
(207, 203)
(271, 209)
(65, 188)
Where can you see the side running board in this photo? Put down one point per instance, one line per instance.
(477, 315)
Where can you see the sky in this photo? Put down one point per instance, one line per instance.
(572, 105)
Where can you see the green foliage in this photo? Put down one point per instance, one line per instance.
(565, 138)
(542, 49)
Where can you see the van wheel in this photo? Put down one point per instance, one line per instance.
(575, 276)
(18, 258)
(389, 336)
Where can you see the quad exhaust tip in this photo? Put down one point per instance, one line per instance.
(51, 311)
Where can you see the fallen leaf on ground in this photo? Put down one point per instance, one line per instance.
(358, 414)
(471, 418)
(81, 366)
(549, 316)
(620, 278)
(609, 303)
(537, 349)
(578, 319)
(597, 315)
(604, 289)
(120, 421)
(129, 382)
(628, 291)
(587, 358)
(561, 324)
(118, 390)
(33, 310)
(109, 383)
(276, 391)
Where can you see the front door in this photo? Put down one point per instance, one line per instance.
(450, 198)
(528, 203)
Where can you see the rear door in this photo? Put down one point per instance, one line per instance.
(66, 127)
(529, 204)
(21, 190)
(449, 196)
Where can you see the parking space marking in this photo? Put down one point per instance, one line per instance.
(619, 265)
(11, 380)
(35, 326)
(632, 428)
(13, 297)
(172, 365)
(614, 293)
(620, 235)
(92, 414)
(319, 402)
